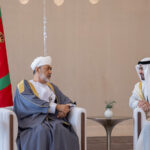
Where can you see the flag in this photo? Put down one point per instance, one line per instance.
(5, 85)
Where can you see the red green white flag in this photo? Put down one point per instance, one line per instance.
(5, 85)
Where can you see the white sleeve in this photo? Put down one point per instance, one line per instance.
(52, 108)
(133, 101)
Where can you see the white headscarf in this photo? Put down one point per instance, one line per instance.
(40, 61)
(146, 69)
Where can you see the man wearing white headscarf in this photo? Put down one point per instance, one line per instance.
(141, 98)
(42, 112)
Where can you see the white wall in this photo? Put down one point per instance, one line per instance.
(94, 47)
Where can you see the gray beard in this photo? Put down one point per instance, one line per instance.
(43, 77)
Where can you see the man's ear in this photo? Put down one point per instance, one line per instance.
(37, 69)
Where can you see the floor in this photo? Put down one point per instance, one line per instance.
(117, 143)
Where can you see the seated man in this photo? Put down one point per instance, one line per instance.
(42, 111)
(141, 98)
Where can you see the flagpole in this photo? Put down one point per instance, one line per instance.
(44, 28)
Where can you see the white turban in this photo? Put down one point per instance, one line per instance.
(40, 61)
(146, 69)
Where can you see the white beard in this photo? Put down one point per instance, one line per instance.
(43, 77)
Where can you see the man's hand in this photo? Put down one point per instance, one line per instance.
(63, 110)
(61, 114)
(144, 105)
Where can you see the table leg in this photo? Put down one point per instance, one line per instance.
(108, 132)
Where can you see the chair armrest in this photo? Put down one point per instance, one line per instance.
(77, 118)
(8, 129)
(139, 119)
(9, 108)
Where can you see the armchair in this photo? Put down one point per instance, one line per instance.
(139, 120)
(9, 127)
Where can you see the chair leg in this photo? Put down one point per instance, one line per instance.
(82, 131)
(139, 123)
(11, 132)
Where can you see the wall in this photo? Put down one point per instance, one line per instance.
(94, 48)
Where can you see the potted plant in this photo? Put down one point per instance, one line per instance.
(108, 112)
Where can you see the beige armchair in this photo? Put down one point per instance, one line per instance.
(9, 127)
(139, 120)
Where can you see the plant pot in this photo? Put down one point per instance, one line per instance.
(108, 113)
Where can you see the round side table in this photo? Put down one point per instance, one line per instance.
(109, 124)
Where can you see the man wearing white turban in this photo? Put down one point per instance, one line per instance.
(141, 98)
(42, 112)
